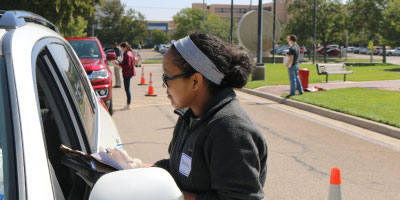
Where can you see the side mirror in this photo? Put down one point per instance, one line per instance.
(111, 56)
(142, 184)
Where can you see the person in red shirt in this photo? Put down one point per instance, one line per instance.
(128, 70)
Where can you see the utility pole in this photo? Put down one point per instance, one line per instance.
(204, 13)
(259, 71)
(347, 44)
(274, 35)
(231, 21)
(315, 31)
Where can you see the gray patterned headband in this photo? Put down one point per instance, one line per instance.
(198, 60)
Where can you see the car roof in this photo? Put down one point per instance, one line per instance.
(81, 38)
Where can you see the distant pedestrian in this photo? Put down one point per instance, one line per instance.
(128, 70)
(117, 71)
(293, 66)
(139, 46)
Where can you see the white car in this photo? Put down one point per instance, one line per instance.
(164, 48)
(46, 99)
(396, 51)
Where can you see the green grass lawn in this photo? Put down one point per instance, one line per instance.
(276, 74)
(337, 60)
(377, 105)
(152, 61)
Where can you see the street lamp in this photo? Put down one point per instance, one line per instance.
(315, 31)
(273, 35)
(259, 71)
(231, 21)
(204, 13)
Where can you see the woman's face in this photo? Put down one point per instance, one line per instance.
(179, 90)
(123, 49)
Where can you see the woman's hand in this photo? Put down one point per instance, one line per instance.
(147, 165)
(120, 156)
(188, 196)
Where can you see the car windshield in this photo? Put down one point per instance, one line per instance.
(85, 48)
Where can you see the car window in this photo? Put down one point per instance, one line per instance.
(3, 121)
(60, 120)
(7, 157)
(77, 86)
(85, 48)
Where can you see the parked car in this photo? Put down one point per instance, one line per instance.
(282, 48)
(350, 49)
(138, 58)
(46, 99)
(356, 50)
(304, 50)
(377, 50)
(365, 50)
(164, 48)
(93, 59)
(331, 50)
(396, 51)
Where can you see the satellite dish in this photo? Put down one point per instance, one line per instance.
(247, 31)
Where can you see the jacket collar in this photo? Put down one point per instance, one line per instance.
(217, 102)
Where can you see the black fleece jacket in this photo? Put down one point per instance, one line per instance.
(225, 154)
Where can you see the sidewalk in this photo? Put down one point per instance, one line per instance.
(273, 93)
(381, 85)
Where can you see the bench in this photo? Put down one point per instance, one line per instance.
(328, 69)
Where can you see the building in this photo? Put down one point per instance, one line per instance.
(165, 26)
(224, 10)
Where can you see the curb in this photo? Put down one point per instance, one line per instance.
(357, 121)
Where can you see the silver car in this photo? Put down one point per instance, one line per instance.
(46, 100)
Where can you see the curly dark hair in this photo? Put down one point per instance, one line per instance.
(233, 63)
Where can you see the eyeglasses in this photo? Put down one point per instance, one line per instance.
(167, 78)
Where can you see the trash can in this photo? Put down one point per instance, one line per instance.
(304, 73)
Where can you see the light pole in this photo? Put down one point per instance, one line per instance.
(231, 21)
(315, 31)
(204, 13)
(259, 71)
(273, 35)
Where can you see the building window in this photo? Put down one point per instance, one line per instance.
(267, 8)
(228, 10)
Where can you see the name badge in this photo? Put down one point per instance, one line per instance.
(185, 165)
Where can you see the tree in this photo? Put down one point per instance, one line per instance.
(330, 21)
(390, 30)
(59, 12)
(366, 17)
(158, 37)
(219, 27)
(76, 27)
(190, 20)
(116, 25)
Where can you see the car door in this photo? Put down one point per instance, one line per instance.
(68, 111)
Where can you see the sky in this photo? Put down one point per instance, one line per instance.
(163, 10)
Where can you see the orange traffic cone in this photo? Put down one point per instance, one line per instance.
(151, 88)
(142, 80)
(335, 192)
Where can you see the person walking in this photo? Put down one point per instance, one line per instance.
(293, 66)
(117, 70)
(216, 151)
(128, 70)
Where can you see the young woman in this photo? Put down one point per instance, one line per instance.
(128, 70)
(216, 151)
